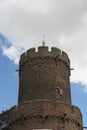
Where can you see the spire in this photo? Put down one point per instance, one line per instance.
(43, 42)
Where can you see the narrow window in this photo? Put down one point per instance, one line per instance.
(39, 70)
(59, 92)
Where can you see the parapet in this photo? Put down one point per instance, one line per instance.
(76, 110)
(43, 51)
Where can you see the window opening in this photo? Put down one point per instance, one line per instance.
(59, 92)
(39, 70)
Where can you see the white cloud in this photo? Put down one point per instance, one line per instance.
(12, 53)
(63, 22)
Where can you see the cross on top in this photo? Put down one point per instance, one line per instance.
(43, 42)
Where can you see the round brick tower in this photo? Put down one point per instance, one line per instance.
(44, 77)
(44, 91)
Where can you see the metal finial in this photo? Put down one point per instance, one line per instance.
(43, 42)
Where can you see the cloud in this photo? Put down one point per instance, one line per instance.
(13, 53)
(5, 41)
(27, 20)
(9, 50)
(64, 24)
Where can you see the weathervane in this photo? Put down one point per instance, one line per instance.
(43, 42)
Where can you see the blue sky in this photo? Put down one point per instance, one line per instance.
(8, 83)
(79, 99)
(22, 26)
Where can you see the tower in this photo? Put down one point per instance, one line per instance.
(44, 77)
(44, 100)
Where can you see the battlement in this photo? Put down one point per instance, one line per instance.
(43, 51)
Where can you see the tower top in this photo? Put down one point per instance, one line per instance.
(43, 51)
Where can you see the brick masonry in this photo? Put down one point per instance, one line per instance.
(44, 100)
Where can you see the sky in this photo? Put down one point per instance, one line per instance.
(22, 26)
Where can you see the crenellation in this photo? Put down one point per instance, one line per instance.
(43, 51)
(22, 58)
(55, 51)
(31, 52)
(65, 56)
